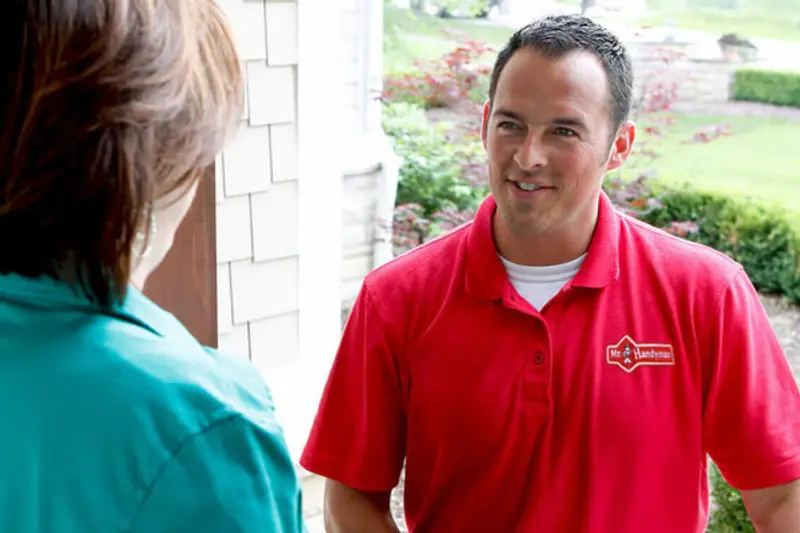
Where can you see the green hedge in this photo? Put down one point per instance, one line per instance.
(729, 514)
(762, 237)
(435, 170)
(767, 86)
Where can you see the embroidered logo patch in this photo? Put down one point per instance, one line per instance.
(628, 355)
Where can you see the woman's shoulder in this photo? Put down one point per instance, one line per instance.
(143, 377)
(134, 402)
(161, 368)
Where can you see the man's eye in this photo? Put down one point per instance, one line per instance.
(565, 132)
(505, 125)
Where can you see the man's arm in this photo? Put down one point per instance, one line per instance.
(349, 510)
(751, 412)
(774, 509)
(359, 434)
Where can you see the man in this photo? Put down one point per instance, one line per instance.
(537, 363)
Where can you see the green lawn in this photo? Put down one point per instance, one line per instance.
(410, 37)
(758, 19)
(402, 53)
(760, 159)
(404, 21)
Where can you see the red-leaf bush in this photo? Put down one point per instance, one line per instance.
(456, 79)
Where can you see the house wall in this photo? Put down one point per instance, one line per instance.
(298, 190)
(272, 227)
(258, 192)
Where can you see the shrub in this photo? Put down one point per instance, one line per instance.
(442, 180)
(767, 86)
(472, 8)
(457, 78)
(729, 514)
(761, 237)
(437, 173)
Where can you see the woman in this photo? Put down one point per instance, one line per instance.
(113, 417)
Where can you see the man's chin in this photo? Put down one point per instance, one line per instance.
(526, 224)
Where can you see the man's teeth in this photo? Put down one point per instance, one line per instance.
(527, 186)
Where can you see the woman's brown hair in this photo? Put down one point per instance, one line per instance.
(105, 106)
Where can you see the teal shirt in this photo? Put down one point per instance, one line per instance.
(120, 421)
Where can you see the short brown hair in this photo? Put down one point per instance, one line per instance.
(105, 106)
(555, 36)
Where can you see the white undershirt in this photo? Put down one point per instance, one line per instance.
(538, 284)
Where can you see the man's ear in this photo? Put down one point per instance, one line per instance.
(622, 145)
(487, 106)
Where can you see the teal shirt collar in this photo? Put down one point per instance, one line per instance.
(49, 293)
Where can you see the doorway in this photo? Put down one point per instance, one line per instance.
(185, 284)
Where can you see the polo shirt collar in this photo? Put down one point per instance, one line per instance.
(486, 276)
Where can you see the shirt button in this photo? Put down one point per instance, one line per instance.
(538, 358)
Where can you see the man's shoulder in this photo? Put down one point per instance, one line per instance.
(429, 264)
(682, 258)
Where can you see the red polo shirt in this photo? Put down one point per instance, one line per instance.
(594, 415)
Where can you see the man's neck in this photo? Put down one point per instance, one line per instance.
(551, 248)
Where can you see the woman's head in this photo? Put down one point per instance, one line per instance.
(109, 110)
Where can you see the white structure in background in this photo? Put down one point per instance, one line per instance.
(300, 191)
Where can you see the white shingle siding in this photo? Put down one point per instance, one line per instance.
(272, 93)
(282, 33)
(275, 222)
(246, 19)
(234, 237)
(258, 181)
(283, 139)
(247, 163)
(261, 290)
(257, 197)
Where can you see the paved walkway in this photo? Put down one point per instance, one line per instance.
(313, 491)
(740, 109)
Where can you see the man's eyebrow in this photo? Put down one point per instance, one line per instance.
(508, 114)
(570, 121)
(574, 122)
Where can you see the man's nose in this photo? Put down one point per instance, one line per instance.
(530, 155)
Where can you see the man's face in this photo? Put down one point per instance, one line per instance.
(548, 138)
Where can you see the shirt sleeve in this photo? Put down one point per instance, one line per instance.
(358, 436)
(236, 477)
(752, 406)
